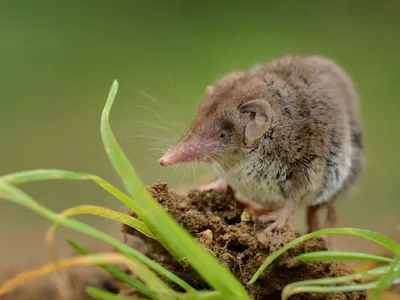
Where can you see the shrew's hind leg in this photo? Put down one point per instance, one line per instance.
(312, 217)
(330, 222)
(331, 215)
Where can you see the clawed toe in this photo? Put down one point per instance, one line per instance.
(278, 225)
(275, 225)
(278, 221)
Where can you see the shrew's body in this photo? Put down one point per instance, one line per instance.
(284, 134)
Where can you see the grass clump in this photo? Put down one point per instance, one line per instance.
(155, 223)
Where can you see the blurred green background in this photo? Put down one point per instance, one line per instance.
(58, 60)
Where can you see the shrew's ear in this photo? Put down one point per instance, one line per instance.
(260, 119)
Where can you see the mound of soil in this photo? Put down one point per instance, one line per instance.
(225, 227)
(222, 225)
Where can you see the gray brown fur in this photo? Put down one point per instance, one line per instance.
(313, 151)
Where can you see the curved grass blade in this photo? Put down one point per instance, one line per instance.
(213, 295)
(108, 214)
(111, 146)
(141, 270)
(15, 195)
(369, 235)
(43, 174)
(56, 174)
(361, 276)
(389, 278)
(97, 211)
(202, 261)
(315, 285)
(117, 273)
(104, 295)
(342, 256)
(288, 291)
(291, 290)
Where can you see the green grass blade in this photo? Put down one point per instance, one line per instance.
(389, 278)
(126, 172)
(15, 195)
(133, 264)
(342, 256)
(300, 287)
(108, 214)
(201, 260)
(43, 174)
(364, 276)
(56, 174)
(214, 295)
(53, 174)
(289, 291)
(101, 294)
(203, 296)
(369, 235)
(153, 282)
(104, 295)
(315, 285)
(117, 273)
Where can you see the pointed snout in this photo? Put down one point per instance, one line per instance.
(171, 157)
(183, 152)
(165, 161)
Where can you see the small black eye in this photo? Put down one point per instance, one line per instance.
(223, 134)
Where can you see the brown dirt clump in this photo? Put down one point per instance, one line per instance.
(225, 227)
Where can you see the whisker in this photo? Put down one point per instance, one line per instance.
(180, 174)
(153, 112)
(160, 150)
(157, 138)
(153, 124)
(185, 173)
(218, 166)
(155, 100)
(194, 173)
(241, 181)
(177, 172)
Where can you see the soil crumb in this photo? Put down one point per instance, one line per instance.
(225, 227)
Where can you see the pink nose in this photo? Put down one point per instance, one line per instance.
(163, 161)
